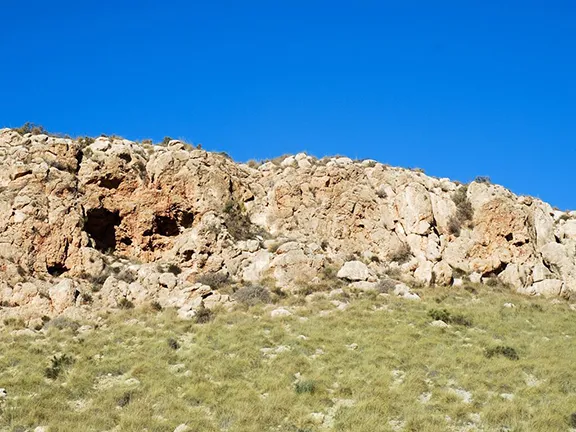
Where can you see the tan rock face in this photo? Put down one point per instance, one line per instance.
(111, 212)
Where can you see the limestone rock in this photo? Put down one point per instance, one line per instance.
(84, 227)
(354, 271)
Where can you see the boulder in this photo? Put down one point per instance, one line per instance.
(354, 271)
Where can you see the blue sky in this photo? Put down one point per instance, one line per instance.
(458, 88)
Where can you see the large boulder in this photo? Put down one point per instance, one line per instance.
(354, 271)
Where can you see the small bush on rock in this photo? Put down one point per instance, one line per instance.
(386, 285)
(203, 315)
(213, 280)
(124, 303)
(464, 211)
(251, 295)
(401, 255)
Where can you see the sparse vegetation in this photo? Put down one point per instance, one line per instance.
(214, 280)
(386, 285)
(402, 254)
(305, 387)
(252, 295)
(464, 211)
(449, 318)
(483, 179)
(58, 364)
(238, 223)
(124, 303)
(203, 315)
(31, 128)
(504, 351)
(375, 361)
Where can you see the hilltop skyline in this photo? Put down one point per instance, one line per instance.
(460, 91)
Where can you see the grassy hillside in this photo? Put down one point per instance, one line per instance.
(367, 363)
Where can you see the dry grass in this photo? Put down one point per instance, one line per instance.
(377, 365)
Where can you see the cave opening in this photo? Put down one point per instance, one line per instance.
(56, 269)
(166, 226)
(101, 226)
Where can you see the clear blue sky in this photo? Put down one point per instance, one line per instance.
(458, 88)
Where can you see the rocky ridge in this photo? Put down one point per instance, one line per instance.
(93, 224)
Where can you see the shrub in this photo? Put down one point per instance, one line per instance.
(329, 272)
(305, 387)
(203, 315)
(386, 285)
(572, 420)
(401, 255)
(63, 323)
(127, 276)
(505, 351)
(174, 269)
(238, 223)
(449, 318)
(439, 315)
(251, 295)
(57, 365)
(156, 306)
(124, 400)
(213, 280)
(464, 211)
(85, 141)
(124, 303)
(32, 128)
(86, 298)
(492, 282)
(173, 343)
(483, 179)
(14, 322)
(166, 141)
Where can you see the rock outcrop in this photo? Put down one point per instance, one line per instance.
(88, 224)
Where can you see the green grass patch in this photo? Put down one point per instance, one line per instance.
(376, 365)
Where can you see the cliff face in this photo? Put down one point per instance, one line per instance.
(86, 225)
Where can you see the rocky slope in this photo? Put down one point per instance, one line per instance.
(87, 225)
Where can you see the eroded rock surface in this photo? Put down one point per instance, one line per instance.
(105, 223)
